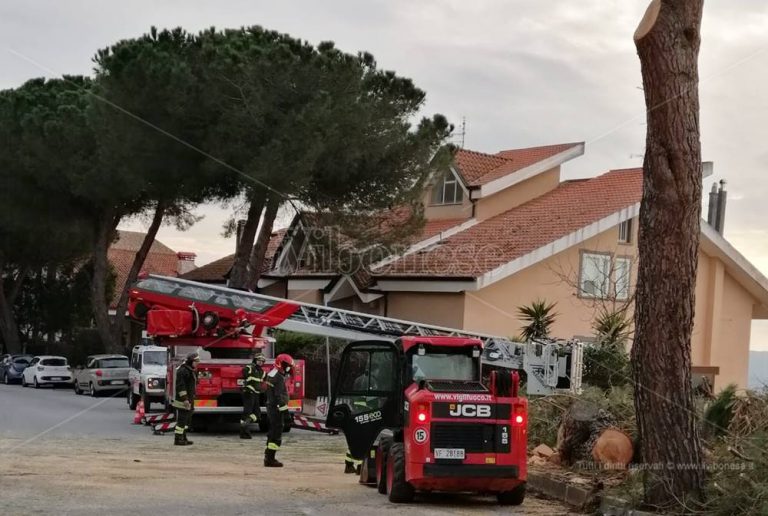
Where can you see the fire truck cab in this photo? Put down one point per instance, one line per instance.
(418, 415)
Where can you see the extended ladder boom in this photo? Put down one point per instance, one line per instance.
(551, 365)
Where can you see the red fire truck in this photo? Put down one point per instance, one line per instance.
(223, 326)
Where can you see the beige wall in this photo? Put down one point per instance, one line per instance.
(276, 289)
(442, 309)
(447, 211)
(307, 296)
(494, 308)
(518, 194)
(730, 350)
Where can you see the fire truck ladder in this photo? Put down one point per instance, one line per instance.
(551, 365)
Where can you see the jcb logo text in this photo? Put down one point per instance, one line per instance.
(470, 410)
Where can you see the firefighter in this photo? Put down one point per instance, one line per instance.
(184, 402)
(253, 378)
(277, 407)
(361, 404)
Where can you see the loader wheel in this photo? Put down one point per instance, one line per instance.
(514, 497)
(398, 489)
(381, 464)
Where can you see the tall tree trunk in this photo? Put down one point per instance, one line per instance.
(9, 328)
(667, 42)
(50, 331)
(105, 230)
(120, 320)
(238, 276)
(262, 242)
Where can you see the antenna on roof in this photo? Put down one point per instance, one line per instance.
(457, 137)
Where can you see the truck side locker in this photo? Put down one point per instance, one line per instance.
(368, 395)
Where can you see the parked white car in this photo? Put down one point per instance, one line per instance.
(47, 370)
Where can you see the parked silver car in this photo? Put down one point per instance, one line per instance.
(101, 373)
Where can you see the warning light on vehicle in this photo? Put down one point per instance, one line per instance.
(421, 413)
(519, 419)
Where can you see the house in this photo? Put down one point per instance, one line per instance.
(160, 260)
(503, 230)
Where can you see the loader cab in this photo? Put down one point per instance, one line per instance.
(369, 392)
(367, 395)
(440, 359)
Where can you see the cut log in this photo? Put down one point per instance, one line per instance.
(613, 448)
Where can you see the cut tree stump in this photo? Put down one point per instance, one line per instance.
(583, 425)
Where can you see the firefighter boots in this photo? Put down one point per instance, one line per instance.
(187, 442)
(349, 467)
(270, 461)
(244, 433)
(178, 439)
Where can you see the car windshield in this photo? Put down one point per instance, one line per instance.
(444, 366)
(53, 362)
(112, 363)
(155, 358)
(21, 361)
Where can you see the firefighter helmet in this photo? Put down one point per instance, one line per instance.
(284, 362)
(259, 357)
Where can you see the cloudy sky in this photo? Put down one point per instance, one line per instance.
(520, 72)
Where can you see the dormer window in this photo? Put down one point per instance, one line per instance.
(447, 190)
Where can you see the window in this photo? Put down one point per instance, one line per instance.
(603, 276)
(621, 271)
(447, 190)
(625, 232)
(595, 275)
(54, 362)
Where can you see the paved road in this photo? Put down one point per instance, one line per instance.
(28, 412)
(66, 454)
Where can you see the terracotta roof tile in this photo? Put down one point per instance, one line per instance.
(132, 240)
(218, 271)
(509, 235)
(477, 168)
(166, 264)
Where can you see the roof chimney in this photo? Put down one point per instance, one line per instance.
(186, 262)
(721, 198)
(712, 212)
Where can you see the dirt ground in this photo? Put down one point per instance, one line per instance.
(219, 475)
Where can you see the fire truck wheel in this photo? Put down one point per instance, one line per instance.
(514, 497)
(381, 464)
(398, 489)
(133, 400)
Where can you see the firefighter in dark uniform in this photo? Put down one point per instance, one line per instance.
(184, 402)
(253, 377)
(277, 407)
(361, 404)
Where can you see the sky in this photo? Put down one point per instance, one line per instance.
(521, 73)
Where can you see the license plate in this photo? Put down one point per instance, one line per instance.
(55, 378)
(449, 453)
(116, 382)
